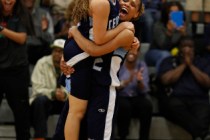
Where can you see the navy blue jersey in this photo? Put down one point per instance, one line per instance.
(80, 60)
(72, 50)
(106, 68)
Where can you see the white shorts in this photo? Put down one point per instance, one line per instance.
(198, 5)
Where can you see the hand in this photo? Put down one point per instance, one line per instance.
(182, 29)
(188, 55)
(136, 44)
(140, 74)
(67, 70)
(71, 31)
(44, 23)
(60, 95)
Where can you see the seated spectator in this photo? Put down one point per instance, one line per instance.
(165, 35)
(47, 95)
(44, 33)
(188, 76)
(200, 22)
(133, 97)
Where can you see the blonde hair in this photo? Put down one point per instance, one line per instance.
(80, 10)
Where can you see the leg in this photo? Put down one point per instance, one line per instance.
(101, 112)
(75, 115)
(201, 110)
(177, 111)
(40, 110)
(18, 100)
(142, 108)
(59, 131)
(123, 119)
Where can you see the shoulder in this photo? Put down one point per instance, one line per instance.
(99, 3)
(44, 60)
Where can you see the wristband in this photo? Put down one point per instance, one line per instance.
(1, 28)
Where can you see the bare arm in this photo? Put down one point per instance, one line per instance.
(19, 38)
(124, 39)
(200, 76)
(173, 75)
(100, 13)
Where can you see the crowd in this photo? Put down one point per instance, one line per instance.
(32, 38)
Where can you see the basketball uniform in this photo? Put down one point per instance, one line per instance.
(101, 106)
(113, 22)
(81, 61)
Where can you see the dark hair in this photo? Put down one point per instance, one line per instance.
(165, 11)
(185, 39)
(23, 14)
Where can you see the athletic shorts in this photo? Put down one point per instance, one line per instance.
(81, 79)
(198, 5)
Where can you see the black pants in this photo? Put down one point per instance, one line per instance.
(139, 107)
(191, 113)
(41, 109)
(14, 85)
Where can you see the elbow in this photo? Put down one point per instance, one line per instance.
(91, 52)
(22, 39)
(99, 40)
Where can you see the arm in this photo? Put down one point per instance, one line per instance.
(124, 39)
(173, 75)
(18, 37)
(100, 13)
(200, 76)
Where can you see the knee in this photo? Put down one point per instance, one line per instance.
(77, 113)
(40, 100)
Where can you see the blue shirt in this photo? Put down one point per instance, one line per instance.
(132, 88)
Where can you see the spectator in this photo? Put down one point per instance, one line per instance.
(200, 21)
(15, 25)
(43, 26)
(165, 35)
(47, 95)
(150, 16)
(133, 97)
(57, 8)
(63, 24)
(188, 76)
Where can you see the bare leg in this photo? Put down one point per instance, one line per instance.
(77, 109)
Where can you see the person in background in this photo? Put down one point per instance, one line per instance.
(61, 28)
(150, 16)
(200, 22)
(38, 44)
(15, 26)
(57, 8)
(133, 96)
(48, 95)
(165, 35)
(188, 77)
